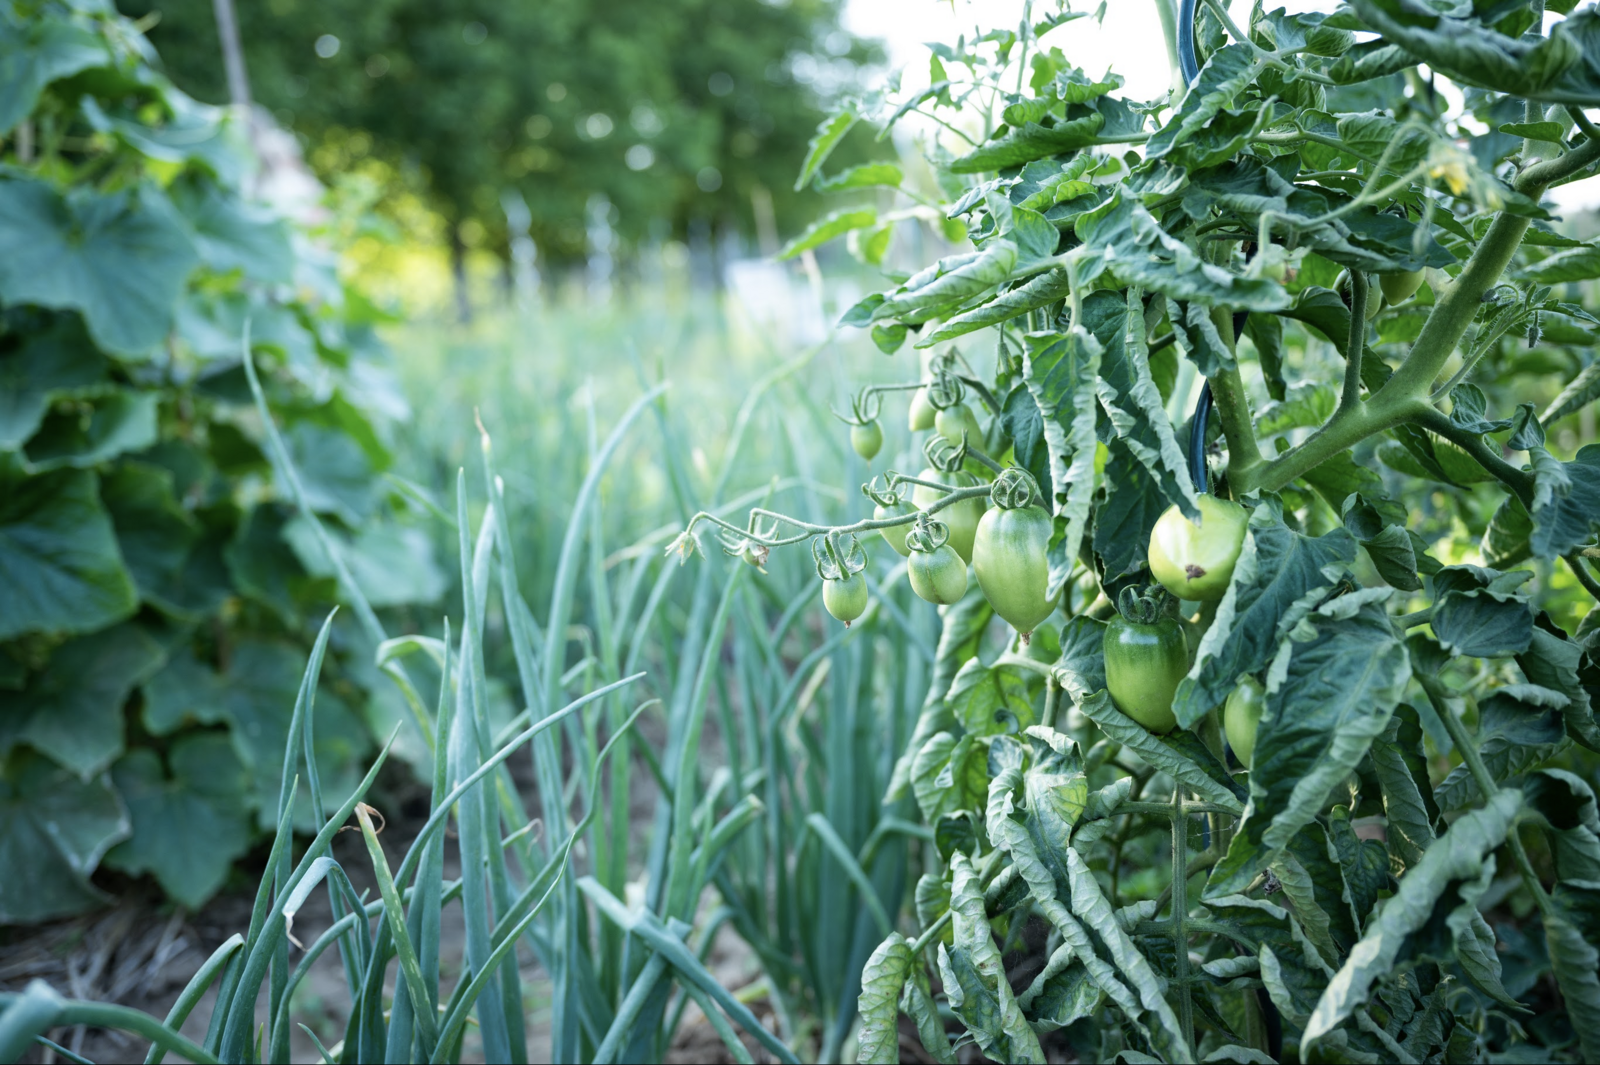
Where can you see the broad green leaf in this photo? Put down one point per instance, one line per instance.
(1580, 392)
(337, 475)
(1040, 291)
(1554, 662)
(73, 710)
(189, 827)
(1569, 517)
(1482, 624)
(975, 977)
(52, 360)
(1382, 533)
(865, 176)
(1518, 727)
(1507, 539)
(825, 229)
(1560, 68)
(263, 567)
(93, 431)
(54, 827)
(185, 691)
(1567, 804)
(36, 49)
(917, 1002)
(1062, 994)
(1133, 402)
(187, 131)
(950, 281)
(230, 234)
(1014, 145)
(1124, 518)
(949, 775)
(175, 565)
(1025, 425)
(1279, 578)
(1089, 903)
(1157, 752)
(990, 699)
(1081, 669)
(120, 258)
(60, 570)
(882, 980)
(1450, 871)
(826, 139)
(392, 564)
(1308, 406)
(1339, 676)
(959, 638)
(1408, 805)
(1226, 73)
(1060, 372)
(1571, 934)
(1052, 898)
(1123, 239)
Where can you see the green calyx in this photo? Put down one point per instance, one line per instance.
(927, 535)
(1143, 608)
(838, 558)
(1015, 489)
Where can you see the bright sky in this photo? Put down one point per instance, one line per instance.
(1128, 42)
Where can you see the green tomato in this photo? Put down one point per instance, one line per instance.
(1008, 555)
(895, 534)
(953, 420)
(963, 517)
(867, 439)
(939, 576)
(846, 599)
(1400, 286)
(1240, 717)
(1144, 664)
(1196, 561)
(921, 414)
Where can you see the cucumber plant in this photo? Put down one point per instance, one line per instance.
(1330, 241)
(157, 585)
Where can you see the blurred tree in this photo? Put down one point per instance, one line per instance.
(673, 110)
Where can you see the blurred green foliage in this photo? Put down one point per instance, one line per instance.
(674, 110)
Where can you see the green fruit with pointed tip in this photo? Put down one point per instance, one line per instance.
(1196, 561)
(1241, 716)
(867, 439)
(1400, 286)
(1008, 555)
(846, 598)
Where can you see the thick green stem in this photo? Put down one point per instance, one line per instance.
(1359, 295)
(1486, 784)
(1169, 31)
(1585, 578)
(1233, 406)
(1180, 911)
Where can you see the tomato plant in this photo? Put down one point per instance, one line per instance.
(1334, 233)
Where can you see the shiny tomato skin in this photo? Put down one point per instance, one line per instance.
(895, 534)
(1144, 664)
(846, 599)
(1196, 561)
(962, 517)
(1009, 558)
(938, 576)
(1241, 716)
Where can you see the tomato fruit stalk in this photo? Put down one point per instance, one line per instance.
(1009, 553)
(1146, 655)
(1196, 561)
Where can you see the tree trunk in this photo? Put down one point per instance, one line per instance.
(458, 273)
